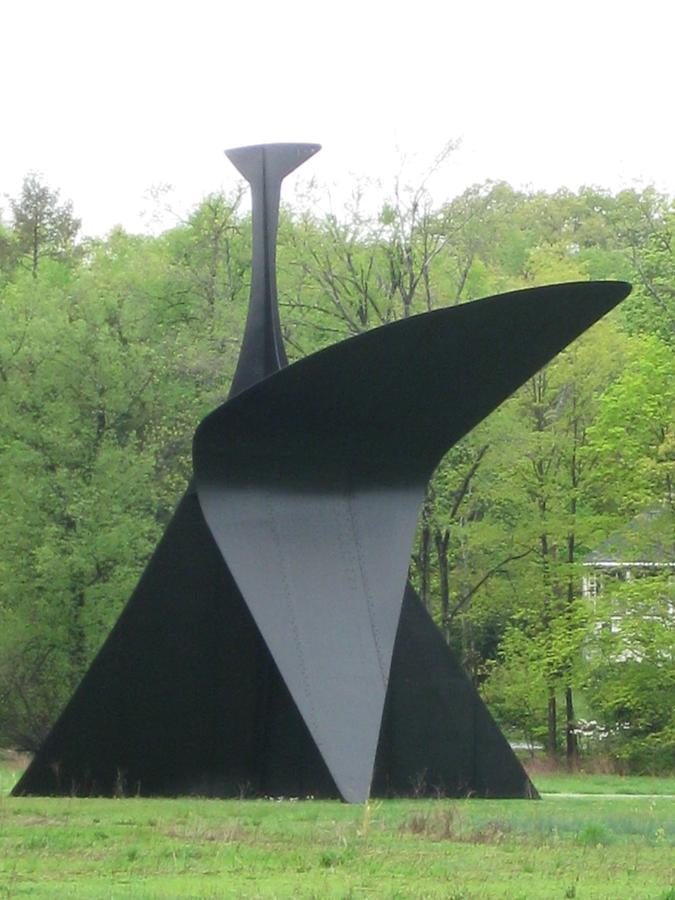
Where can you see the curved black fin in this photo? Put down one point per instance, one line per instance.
(311, 482)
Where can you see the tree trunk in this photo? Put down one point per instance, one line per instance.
(571, 745)
(424, 562)
(35, 249)
(78, 644)
(442, 539)
(552, 736)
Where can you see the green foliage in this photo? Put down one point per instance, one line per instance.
(634, 431)
(103, 382)
(631, 672)
(515, 688)
(643, 225)
(112, 350)
(41, 226)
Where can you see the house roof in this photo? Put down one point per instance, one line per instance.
(647, 540)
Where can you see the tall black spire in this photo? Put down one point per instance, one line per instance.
(264, 166)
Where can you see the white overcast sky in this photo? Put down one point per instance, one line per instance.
(108, 99)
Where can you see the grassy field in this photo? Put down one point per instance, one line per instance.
(563, 783)
(592, 846)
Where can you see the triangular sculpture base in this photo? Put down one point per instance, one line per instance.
(185, 698)
(438, 738)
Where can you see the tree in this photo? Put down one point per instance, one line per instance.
(8, 253)
(551, 465)
(634, 432)
(630, 679)
(43, 227)
(643, 225)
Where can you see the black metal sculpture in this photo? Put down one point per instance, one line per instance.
(273, 644)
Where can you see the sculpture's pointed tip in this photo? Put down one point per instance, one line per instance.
(616, 290)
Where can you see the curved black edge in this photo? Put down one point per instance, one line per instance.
(476, 355)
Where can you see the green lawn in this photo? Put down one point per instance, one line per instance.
(9, 775)
(563, 783)
(587, 847)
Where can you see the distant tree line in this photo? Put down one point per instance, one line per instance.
(111, 350)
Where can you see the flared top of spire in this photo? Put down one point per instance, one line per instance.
(264, 166)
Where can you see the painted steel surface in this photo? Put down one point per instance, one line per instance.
(311, 482)
(264, 167)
